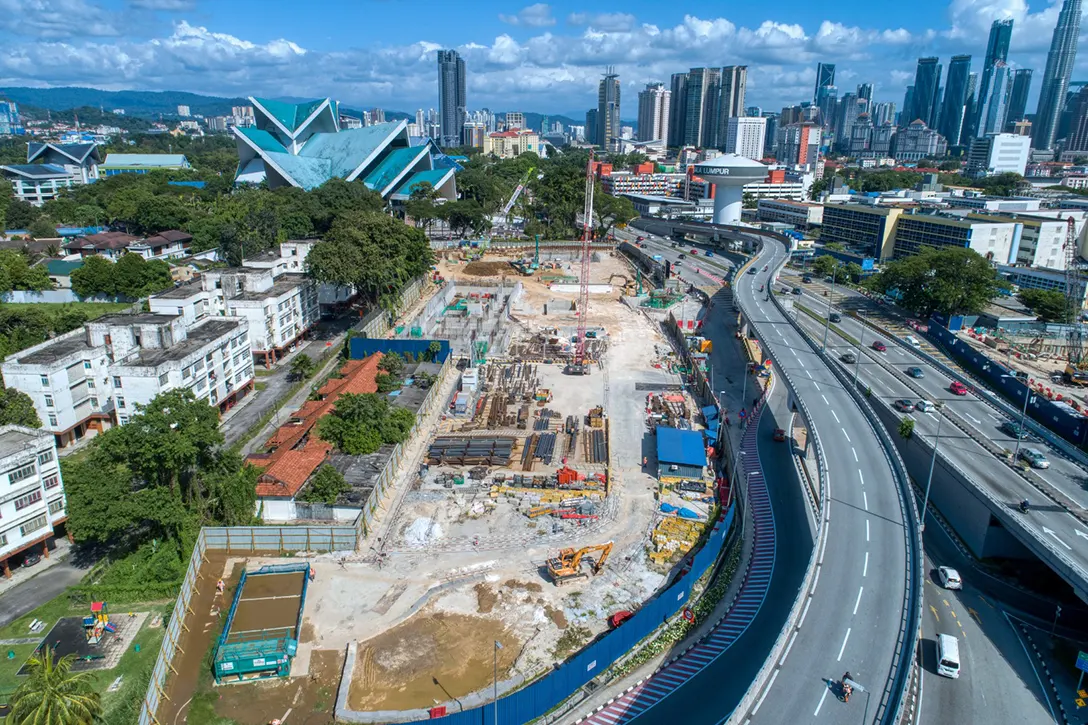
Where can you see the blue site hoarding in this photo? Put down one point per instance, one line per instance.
(361, 347)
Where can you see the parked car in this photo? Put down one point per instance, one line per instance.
(849, 358)
(1034, 458)
(950, 578)
(32, 559)
(958, 388)
(835, 317)
(879, 346)
(925, 406)
(904, 406)
(916, 372)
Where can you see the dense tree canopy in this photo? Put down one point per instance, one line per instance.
(360, 424)
(1049, 305)
(22, 326)
(954, 281)
(131, 276)
(17, 408)
(17, 274)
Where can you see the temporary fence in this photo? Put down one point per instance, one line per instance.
(271, 539)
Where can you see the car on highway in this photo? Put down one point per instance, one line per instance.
(1034, 458)
(638, 239)
(694, 252)
(675, 245)
(683, 256)
(950, 578)
(807, 278)
(849, 358)
(835, 317)
(752, 270)
(796, 290)
(916, 372)
(1013, 428)
(925, 406)
(780, 434)
(958, 388)
(912, 341)
(904, 406)
(879, 346)
(829, 278)
(709, 253)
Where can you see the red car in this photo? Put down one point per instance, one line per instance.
(958, 388)
(879, 346)
(695, 252)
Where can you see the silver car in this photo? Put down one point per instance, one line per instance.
(1034, 458)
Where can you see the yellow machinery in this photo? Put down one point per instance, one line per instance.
(1075, 374)
(567, 567)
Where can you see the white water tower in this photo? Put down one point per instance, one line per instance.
(729, 173)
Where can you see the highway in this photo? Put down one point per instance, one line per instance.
(1054, 529)
(853, 620)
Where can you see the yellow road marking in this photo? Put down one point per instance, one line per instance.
(935, 615)
(974, 614)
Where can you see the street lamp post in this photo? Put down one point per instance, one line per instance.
(830, 297)
(495, 681)
(1023, 416)
(932, 463)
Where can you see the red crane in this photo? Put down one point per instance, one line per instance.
(580, 367)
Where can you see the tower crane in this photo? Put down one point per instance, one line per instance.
(1075, 372)
(579, 366)
(517, 192)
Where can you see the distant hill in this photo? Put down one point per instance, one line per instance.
(148, 104)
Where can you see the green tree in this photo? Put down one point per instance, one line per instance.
(906, 428)
(835, 246)
(302, 366)
(54, 695)
(17, 408)
(386, 383)
(853, 271)
(360, 424)
(817, 189)
(95, 277)
(825, 265)
(325, 486)
(1049, 305)
(954, 281)
(392, 364)
(749, 201)
(17, 274)
(20, 214)
(612, 211)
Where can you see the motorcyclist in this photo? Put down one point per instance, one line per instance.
(761, 288)
(847, 688)
(1024, 506)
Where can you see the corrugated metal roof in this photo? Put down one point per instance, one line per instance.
(684, 447)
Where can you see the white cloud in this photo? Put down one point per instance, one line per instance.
(611, 22)
(538, 15)
(55, 19)
(163, 5)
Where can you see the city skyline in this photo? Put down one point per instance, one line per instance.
(540, 57)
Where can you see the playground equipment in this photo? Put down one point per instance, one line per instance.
(98, 624)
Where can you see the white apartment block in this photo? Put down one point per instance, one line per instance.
(279, 306)
(744, 135)
(95, 377)
(31, 492)
(998, 153)
(798, 213)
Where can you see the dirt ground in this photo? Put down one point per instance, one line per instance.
(306, 700)
(488, 269)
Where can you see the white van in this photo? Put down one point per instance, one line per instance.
(948, 656)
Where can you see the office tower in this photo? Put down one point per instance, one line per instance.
(653, 113)
(734, 80)
(827, 102)
(591, 126)
(825, 76)
(993, 106)
(769, 146)
(927, 83)
(1076, 141)
(746, 136)
(908, 105)
(183, 111)
(753, 111)
(419, 117)
(678, 103)
(970, 109)
(865, 90)
(851, 110)
(1059, 66)
(701, 109)
(608, 110)
(1018, 96)
(543, 124)
(997, 50)
(514, 119)
(451, 97)
(883, 112)
(955, 99)
(9, 119)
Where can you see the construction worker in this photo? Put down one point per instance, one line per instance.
(313, 574)
(220, 586)
(645, 461)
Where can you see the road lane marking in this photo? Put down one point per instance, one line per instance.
(847, 435)
(817, 385)
(854, 451)
(1055, 537)
(836, 417)
(935, 615)
(865, 568)
(1031, 662)
(861, 478)
(788, 648)
(822, 698)
(866, 529)
(977, 421)
(825, 400)
(856, 603)
(770, 684)
(804, 613)
(844, 641)
(809, 374)
(802, 362)
(865, 500)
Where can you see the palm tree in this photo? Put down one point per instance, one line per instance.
(54, 695)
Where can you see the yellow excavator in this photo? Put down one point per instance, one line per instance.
(567, 567)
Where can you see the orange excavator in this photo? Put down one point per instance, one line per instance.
(567, 567)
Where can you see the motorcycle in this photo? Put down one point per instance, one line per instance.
(1024, 506)
(761, 288)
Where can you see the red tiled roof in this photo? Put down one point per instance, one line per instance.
(289, 473)
(105, 240)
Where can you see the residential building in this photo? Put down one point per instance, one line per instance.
(32, 503)
(734, 82)
(744, 135)
(860, 140)
(183, 111)
(513, 119)
(10, 124)
(866, 229)
(998, 153)
(803, 215)
(1018, 97)
(508, 144)
(995, 240)
(302, 145)
(280, 307)
(452, 100)
(883, 113)
(170, 244)
(955, 99)
(701, 109)
(96, 376)
(143, 163)
(799, 144)
(1040, 241)
(882, 141)
(678, 98)
(917, 142)
(608, 111)
(653, 112)
(997, 51)
(850, 109)
(1059, 68)
(927, 83)
(474, 135)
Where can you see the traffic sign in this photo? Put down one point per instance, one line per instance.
(1082, 661)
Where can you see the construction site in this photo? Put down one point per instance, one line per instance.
(534, 515)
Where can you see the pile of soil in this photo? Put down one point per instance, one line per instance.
(485, 598)
(487, 269)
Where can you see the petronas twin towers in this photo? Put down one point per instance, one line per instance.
(1059, 67)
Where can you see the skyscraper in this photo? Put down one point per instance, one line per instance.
(1076, 142)
(994, 105)
(865, 90)
(591, 126)
(997, 50)
(1018, 96)
(825, 76)
(701, 109)
(734, 81)
(955, 99)
(451, 96)
(908, 105)
(882, 113)
(927, 83)
(678, 100)
(653, 113)
(1059, 66)
(608, 110)
(970, 110)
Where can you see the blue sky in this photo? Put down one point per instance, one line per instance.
(533, 57)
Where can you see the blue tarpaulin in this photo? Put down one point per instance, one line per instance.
(710, 412)
(682, 447)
